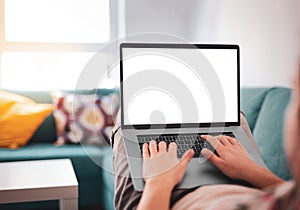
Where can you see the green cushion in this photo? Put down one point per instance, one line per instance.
(107, 170)
(83, 165)
(108, 180)
(268, 131)
(251, 101)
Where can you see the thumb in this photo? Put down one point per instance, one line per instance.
(186, 157)
(209, 155)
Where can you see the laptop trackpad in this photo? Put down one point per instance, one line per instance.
(201, 172)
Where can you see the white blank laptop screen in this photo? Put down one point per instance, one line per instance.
(170, 85)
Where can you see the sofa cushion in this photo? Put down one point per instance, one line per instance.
(108, 180)
(83, 165)
(84, 118)
(251, 101)
(107, 170)
(268, 132)
(20, 117)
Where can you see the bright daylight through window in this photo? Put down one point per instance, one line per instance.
(46, 43)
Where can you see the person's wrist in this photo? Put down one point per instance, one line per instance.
(156, 183)
(252, 172)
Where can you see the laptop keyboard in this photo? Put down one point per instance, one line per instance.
(183, 141)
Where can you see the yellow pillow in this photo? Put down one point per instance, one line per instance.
(19, 119)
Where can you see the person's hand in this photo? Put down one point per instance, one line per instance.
(232, 159)
(161, 165)
(162, 171)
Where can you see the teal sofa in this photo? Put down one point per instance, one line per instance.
(95, 182)
(264, 109)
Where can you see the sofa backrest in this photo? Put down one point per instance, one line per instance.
(265, 109)
(251, 102)
(45, 96)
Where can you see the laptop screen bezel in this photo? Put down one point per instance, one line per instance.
(184, 46)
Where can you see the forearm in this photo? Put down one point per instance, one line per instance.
(261, 177)
(155, 196)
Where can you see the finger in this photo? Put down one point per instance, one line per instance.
(162, 146)
(186, 157)
(212, 140)
(173, 148)
(209, 155)
(233, 141)
(224, 140)
(146, 151)
(153, 148)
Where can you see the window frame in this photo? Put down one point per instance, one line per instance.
(115, 18)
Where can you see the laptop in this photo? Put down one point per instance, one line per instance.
(176, 93)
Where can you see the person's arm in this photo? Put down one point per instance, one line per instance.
(156, 195)
(162, 171)
(234, 161)
(262, 177)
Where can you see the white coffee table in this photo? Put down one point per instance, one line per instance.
(39, 180)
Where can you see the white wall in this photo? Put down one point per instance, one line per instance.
(165, 16)
(266, 30)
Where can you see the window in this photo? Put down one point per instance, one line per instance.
(42, 70)
(43, 42)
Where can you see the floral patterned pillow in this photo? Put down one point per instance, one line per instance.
(84, 118)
